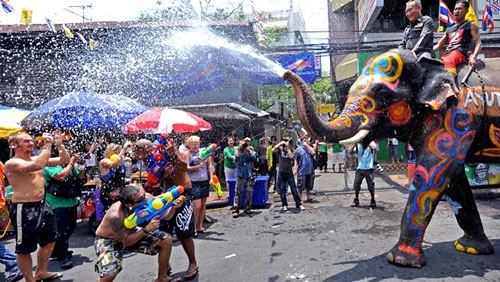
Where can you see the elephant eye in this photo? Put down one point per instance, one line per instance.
(384, 98)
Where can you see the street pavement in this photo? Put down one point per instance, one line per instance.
(329, 241)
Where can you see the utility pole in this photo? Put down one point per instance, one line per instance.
(83, 8)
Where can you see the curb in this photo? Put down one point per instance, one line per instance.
(216, 204)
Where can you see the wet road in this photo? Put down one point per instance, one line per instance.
(329, 241)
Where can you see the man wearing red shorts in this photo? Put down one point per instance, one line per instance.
(459, 38)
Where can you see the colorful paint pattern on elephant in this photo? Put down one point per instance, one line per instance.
(447, 148)
(385, 69)
(474, 100)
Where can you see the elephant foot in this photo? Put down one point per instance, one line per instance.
(474, 245)
(404, 255)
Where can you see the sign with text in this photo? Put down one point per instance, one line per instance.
(326, 108)
(368, 11)
(317, 65)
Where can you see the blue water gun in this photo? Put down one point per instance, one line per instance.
(156, 206)
(203, 154)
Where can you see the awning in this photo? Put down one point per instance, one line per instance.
(236, 110)
(347, 68)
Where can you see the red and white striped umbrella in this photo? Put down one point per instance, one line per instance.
(161, 120)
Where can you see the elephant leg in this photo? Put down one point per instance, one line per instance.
(422, 202)
(463, 205)
(418, 213)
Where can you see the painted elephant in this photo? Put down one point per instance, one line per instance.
(417, 102)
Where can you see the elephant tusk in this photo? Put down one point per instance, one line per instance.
(356, 138)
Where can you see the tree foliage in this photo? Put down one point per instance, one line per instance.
(275, 35)
(184, 10)
(322, 91)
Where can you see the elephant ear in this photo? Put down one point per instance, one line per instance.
(437, 84)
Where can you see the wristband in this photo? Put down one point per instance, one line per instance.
(146, 231)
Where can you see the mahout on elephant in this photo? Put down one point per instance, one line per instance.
(418, 102)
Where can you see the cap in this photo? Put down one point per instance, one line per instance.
(247, 139)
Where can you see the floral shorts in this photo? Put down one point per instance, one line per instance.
(110, 251)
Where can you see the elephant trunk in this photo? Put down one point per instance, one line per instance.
(333, 131)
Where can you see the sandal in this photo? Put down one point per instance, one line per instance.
(203, 231)
(191, 274)
(207, 220)
(172, 279)
(169, 270)
(52, 277)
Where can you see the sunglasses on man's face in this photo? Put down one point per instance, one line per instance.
(141, 199)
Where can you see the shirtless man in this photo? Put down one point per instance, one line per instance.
(37, 224)
(112, 236)
(175, 173)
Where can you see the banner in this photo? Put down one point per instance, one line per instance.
(267, 73)
(301, 64)
(215, 71)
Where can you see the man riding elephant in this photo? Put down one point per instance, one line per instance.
(397, 97)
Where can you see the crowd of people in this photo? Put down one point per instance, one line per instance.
(48, 182)
(47, 176)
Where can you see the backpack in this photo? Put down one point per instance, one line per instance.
(69, 188)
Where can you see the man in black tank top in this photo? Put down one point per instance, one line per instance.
(458, 39)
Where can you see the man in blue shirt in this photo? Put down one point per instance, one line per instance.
(304, 168)
(245, 159)
(365, 170)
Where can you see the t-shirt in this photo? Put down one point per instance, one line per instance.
(393, 141)
(228, 157)
(261, 151)
(304, 161)
(200, 174)
(54, 201)
(365, 157)
(285, 163)
(337, 148)
(269, 154)
(323, 148)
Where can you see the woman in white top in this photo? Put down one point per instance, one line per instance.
(200, 175)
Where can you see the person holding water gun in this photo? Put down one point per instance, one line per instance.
(113, 237)
(175, 172)
(112, 176)
(200, 175)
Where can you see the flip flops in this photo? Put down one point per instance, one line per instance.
(53, 277)
(191, 274)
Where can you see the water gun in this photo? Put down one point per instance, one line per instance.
(158, 158)
(203, 154)
(156, 206)
(216, 184)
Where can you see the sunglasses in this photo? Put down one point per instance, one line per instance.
(141, 199)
